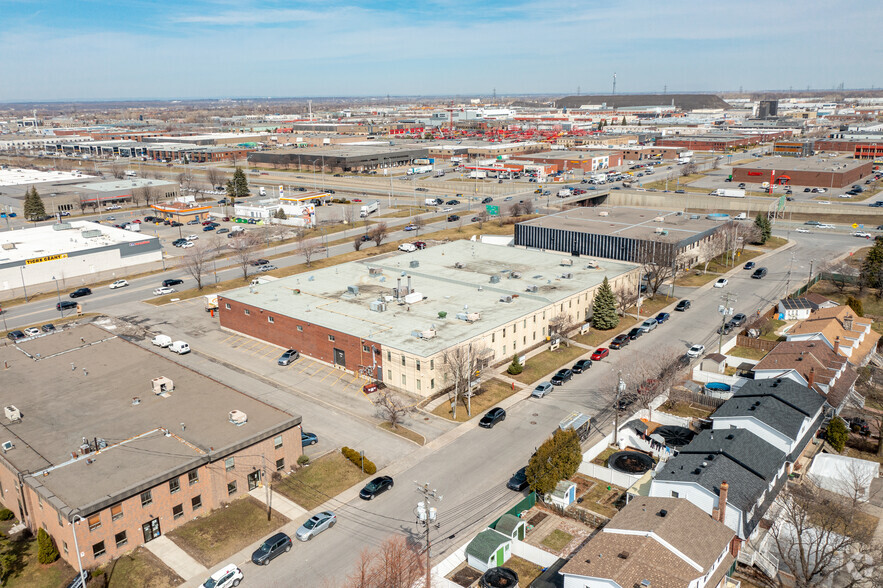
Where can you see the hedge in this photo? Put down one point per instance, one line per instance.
(353, 456)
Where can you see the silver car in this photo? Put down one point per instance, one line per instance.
(315, 525)
(542, 389)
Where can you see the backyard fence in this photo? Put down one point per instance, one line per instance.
(762, 344)
(679, 395)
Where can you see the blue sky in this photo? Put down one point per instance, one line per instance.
(98, 49)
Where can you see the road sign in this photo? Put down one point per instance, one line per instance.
(854, 225)
(493, 210)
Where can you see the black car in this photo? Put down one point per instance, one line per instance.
(749, 265)
(176, 224)
(271, 548)
(807, 190)
(619, 341)
(453, 218)
(562, 376)
(48, 328)
(376, 487)
(452, 202)
(179, 242)
(635, 333)
(738, 319)
(682, 305)
(493, 416)
(65, 305)
(172, 282)
(725, 328)
(260, 262)
(662, 317)
(518, 481)
(759, 273)
(15, 335)
(487, 200)
(366, 237)
(581, 366)
(80, 292)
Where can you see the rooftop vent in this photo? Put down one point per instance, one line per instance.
(730, 436)
(567, 261)
(12, 413)
(375, 271)
(238, 418)
(162, 385)
(697, 471)
(624, 555)
(7, 445)
(604, 213)
(377, 306)
(354, 290)
(507, 299)
(531, 288)
(662, 513)
(458, 265)
(567, 276)
(495, 279)
(414, 263)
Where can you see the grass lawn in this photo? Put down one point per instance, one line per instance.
(594, 337)
(650, 306)
(492, 392)
(27, 572)
(685, 409)
(722, 265)
(541, 364)
(527, 571)
(216, 536)
(404, 212)
(862, 448)
(141, 568)
(404, 432)
(775, 242)
(601, 459)
(324, 478)
(775, 325)
(601, 497)
(556, 540)
(747, 352)
(693, 280)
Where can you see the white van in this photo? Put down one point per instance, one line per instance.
(162, 340)
(179, 347)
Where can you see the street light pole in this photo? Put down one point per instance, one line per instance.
(58, 293)
(73, 522)
(21, 270)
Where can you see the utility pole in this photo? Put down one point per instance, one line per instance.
(266, 478)
(811, 262)
(427, 515)
(620, 388)
(725, 310)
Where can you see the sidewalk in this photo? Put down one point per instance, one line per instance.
(176, 558)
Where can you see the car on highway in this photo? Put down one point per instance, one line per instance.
(16, 335)
(32, 331)
(308, 439)
(721, 282)
(357, 199)
(619, 341)
(257, 262)
(563, 375)
(48, 328)
(119, 284)
(288, 357)
(600, 353)
(172, 282)
(738, 319)
(696, 350)
(492, 417)
(228, 576)
(80, 292)
(518, 481)
(411, 227)
(862, 234)
(876, 204)
(271, 549)
(453, 218)
(802, 230)
(365, 238)
(163, 290)
(447, 209)
(475, 219)
(682, 305)
(376, 487)
(581, 366)
(759, 273)
(662, 317)
(315, 525)
(487, 200)
(65, 305)
(452, 202)
(542, 389)
(407, 247)
(812, 223)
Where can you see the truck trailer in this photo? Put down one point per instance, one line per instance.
(729, 193)
(369, 208)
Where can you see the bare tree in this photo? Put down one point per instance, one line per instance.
(378, 233)
(391, 408)
(357, 243)
(394, 564)
(842, 275)
(195, 262)
(688, 169)
(527, 206)
(560, 325)
(245, 250)
(711, 247)
(626, 297)
(821, 537)
(307, 247)
(83, 203)
(460, 366)
(349, 214)
(658, 261)
(118, 171)
(185, 179)
(215, 177)
(483, 217)
(418, 223)
(138, 196)
(150, 193)
(868, 386)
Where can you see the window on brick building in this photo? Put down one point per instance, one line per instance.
(177, 511)
(94, 521)
(277, 442)
(121, 538)
(193, 477)
(247, 312)
(227, 307)
(231, 488)
(64, 547)
(229, 464)
(116, 512)
(196, 502)
(174, 485)
(280, 464)
(300, 329)
(146, 498)
(269, 319)
(98, 549)
(331, 338)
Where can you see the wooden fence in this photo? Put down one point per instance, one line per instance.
(682, 395)
(762, 344)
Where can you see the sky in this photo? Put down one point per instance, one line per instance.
(110, 50)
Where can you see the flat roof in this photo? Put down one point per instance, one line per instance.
(627, 221)
(80, 382)
(454, 278)
(581, 154)
(816, 164)
(18, 176)
(47, 240)
(126, 184)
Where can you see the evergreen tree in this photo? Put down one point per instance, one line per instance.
(47, 552)
(33, 207)
(515, 367)
(604, 315)
(837, 433)
(556, 459)
(240, 184)
(871, 267)
(280, 214)
(763, 225)
(856, 305)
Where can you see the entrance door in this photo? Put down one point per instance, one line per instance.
(339, 357)
(521, 532)
(254, 479)
(151, 530)
(500, 556)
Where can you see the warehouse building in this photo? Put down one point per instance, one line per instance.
(393, 318)
(104, 467)
(69, 255)
(621, 233)
(339, 159)
(808, 171)
(709, 142)
(793, 148)
(585, 161)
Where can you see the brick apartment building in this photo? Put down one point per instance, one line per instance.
(101, 461)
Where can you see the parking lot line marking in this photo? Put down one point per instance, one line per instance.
(330, 373)
(228, 337)
(307, 365)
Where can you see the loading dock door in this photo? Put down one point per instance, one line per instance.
(339, 357)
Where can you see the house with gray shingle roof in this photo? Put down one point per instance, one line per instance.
(511, 526)
(488, 549)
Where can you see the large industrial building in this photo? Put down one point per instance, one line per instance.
(394, 317)
(70, 255)
(344, 158)
(808, 171)
(585, 161)
(108, 446)
(622, 233)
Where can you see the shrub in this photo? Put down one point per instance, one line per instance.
(837, 434)
(303, 460)
(353, 456)
(6, 515)
(856, 305)
(46, 550)
(515, 367)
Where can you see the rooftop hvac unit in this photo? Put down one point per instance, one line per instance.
(532, 288)
(592, 265)
(354, 290)
(12, 413)
(658, 230)
(428, 334)
(7, 445)
(375, 271)
(604, 213)
(62, 227)
(238, 418)
(413, 297)
(515, 275)
(507, 299)
(458, 265)
(473, 316)
(377, 306)
(567, 261)
(658, 219)
(567, 276)
(162, 385)
(495, 279)
(414, 263)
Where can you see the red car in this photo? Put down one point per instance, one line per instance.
(420, 244)
(208, 222)
(600, 354)
(137, 221)
(357, 199)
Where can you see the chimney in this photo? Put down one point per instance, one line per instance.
(812, 377)
(398, 288)
(847, 322)
(409, 285)
(837, 345)
(722, 502)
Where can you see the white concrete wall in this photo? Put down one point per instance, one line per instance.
(607, 475)
(583, 582)
(533, 554)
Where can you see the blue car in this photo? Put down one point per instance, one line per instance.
(308, 439)
(662, 317)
